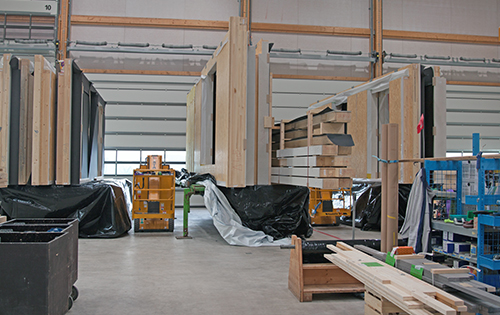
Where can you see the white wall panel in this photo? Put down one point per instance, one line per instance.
(148, 111)
(174, 97)
(138, 126)
(466, 145)
(275, 11)
(133, 141)
(474, 118)
(174, 9)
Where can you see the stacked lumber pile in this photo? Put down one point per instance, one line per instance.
(313, 151)
(478, 297)
(401, 290)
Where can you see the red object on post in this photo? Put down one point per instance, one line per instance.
(420, 125)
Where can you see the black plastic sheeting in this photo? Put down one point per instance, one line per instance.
(277, 210)
(314, 251)
(101, 207)
(368, 206)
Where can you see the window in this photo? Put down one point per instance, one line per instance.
(121, 163)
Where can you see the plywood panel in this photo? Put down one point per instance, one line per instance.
(25, 122)
(44, 110)
(357, 105)
(411, 110)
(4, 119)
(63, 155)
(238, 39)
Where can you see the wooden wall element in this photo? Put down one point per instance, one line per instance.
(242, 108)
(21, 121)
(44, 123)
(4, 119)
(64, 114)
(370, 109)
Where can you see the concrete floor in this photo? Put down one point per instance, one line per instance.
(154, 273)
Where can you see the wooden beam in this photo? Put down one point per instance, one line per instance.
(148, 22)
(310, 29)
(62, 30)
(441, 37)
(34, 19)
(150, 72)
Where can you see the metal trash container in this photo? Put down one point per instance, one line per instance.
(38, 266)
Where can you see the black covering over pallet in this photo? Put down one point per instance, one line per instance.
(277, 210)
(101, 207)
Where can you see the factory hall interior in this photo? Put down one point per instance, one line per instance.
(249, 157)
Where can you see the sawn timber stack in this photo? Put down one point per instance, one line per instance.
(313, 151)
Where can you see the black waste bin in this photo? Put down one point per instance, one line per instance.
(38, 266)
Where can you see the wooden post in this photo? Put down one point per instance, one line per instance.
(377, 43)
(62, 33)
(390, 189)
(383, 171)
(392, 186)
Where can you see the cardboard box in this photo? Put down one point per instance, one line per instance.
(473, 249)
(448, 247)
(3, 219)
(453, 237)
(461, 247)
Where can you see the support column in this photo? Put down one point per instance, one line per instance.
(377, 42)
(62, 30)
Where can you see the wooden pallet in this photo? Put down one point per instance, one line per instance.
(406, 292)
(305, 280)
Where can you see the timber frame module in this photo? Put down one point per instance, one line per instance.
(230, 125)
(52, 123)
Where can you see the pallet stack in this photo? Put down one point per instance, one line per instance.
(313, 151)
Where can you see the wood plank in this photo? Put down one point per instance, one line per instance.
(413, 256)
(438, 271)
(295, 271)
(314, 171)
(63, 155)
(5, 84)
(317, 161)
(325, 150)
(323, 183)
(334, 288)
(238, 40)
(43, 160)
(148, 22)
(330, 117)
(401, 289)
(25, 122)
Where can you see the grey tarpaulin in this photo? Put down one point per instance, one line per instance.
(417, 224)
(229, 224)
